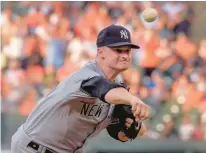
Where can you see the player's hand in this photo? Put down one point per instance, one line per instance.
(139, 109)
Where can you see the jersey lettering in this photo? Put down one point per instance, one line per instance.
(91, 112)
(92, 109)
(85, 108)
(99, 110)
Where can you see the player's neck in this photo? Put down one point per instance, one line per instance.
(109, 73)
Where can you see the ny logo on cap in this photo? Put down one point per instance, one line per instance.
(124, 34)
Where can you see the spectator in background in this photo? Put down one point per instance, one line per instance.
(173, 9)
(13, 83)
(56, 49)
(28, 103)
(201, 59)
(6, 16)
(32, 52)
(35, 16)
(49, 79)
(75, 49)
(180, 87)
(181, 25)
(202, 109)
(12, 44)
(67, 69)
(158, 91)
(198, 133)
(164, 50)
(185, 48)
(186, 128)
(163, 27)
(35, 76)
(193, 97)
(150, 59)
(145, 95)
(170, 130)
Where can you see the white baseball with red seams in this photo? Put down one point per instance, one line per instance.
(150, 14)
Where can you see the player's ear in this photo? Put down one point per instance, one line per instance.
(100, 52)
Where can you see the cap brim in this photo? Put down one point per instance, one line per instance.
(124, 44)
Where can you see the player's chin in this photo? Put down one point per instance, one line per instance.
(123, 67)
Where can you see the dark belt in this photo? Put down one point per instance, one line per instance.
(36, 146)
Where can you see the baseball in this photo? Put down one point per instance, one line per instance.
(150, 14)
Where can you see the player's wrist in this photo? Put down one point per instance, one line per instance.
(133, 100)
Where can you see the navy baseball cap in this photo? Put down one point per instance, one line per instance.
(115, 36)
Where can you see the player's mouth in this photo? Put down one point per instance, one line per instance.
(124, 62)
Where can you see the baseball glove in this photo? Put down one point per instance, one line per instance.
(121, 112)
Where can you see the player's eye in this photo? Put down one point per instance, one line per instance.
(118, 50)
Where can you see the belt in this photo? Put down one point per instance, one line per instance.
(36, 146)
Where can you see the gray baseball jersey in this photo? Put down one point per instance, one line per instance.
(65, 119)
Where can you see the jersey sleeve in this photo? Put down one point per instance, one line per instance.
(98, 86)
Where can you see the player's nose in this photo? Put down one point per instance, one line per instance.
(125, 55)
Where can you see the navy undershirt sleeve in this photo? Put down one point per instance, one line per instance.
(98, 86)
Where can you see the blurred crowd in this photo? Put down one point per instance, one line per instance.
(44, 42)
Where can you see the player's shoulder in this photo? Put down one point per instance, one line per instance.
(89, 70)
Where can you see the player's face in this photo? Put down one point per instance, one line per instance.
(118, 58)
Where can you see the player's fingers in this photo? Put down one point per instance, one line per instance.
(144, 113)
(128, 125)
(138, 110)
(129, 120)
(134, 107)
(137, 113)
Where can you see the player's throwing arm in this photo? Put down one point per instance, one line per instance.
(122, 96)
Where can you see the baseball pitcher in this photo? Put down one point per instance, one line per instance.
(85, 103)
